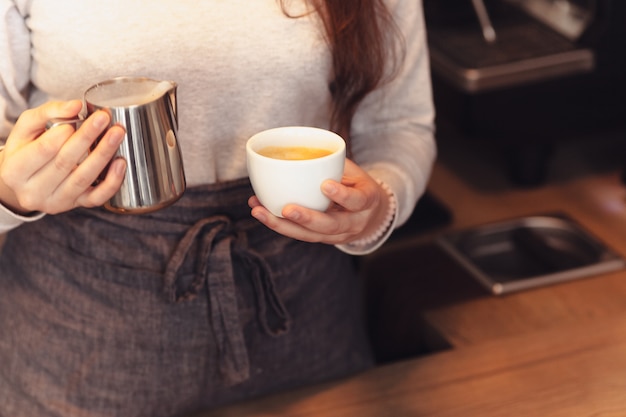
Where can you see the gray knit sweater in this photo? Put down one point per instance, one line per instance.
(242, 66)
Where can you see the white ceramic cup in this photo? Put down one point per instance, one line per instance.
(278, 182)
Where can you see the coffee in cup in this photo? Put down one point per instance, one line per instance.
(294, 153)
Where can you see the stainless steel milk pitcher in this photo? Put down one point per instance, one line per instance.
(147, 109)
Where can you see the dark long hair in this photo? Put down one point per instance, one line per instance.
(365, 45)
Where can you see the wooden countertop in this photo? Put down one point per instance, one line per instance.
(554, 351)
(596, 201)
(575, 370)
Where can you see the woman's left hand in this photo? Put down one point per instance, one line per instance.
(359, 206)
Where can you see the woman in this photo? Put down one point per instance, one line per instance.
(201, 303)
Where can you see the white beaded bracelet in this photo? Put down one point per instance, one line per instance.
(384, 227)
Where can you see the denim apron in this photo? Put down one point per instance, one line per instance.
(170, 313)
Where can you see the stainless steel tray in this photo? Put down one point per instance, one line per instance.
(529, 252)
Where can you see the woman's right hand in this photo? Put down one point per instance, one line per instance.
(47, 170)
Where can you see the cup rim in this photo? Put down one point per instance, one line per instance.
(337, 139)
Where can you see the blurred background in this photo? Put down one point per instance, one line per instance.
(522, 77)
(531, 119)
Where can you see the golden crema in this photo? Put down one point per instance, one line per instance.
(293, 152)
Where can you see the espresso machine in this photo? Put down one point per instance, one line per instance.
(523, 75)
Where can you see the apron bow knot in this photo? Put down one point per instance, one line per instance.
(218, 241)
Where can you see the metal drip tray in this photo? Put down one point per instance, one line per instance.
(529, 252)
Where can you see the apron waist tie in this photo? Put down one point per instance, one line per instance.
(214, 270)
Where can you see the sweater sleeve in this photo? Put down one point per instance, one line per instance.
(393, 129)
(14, 66)
(14, 82)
